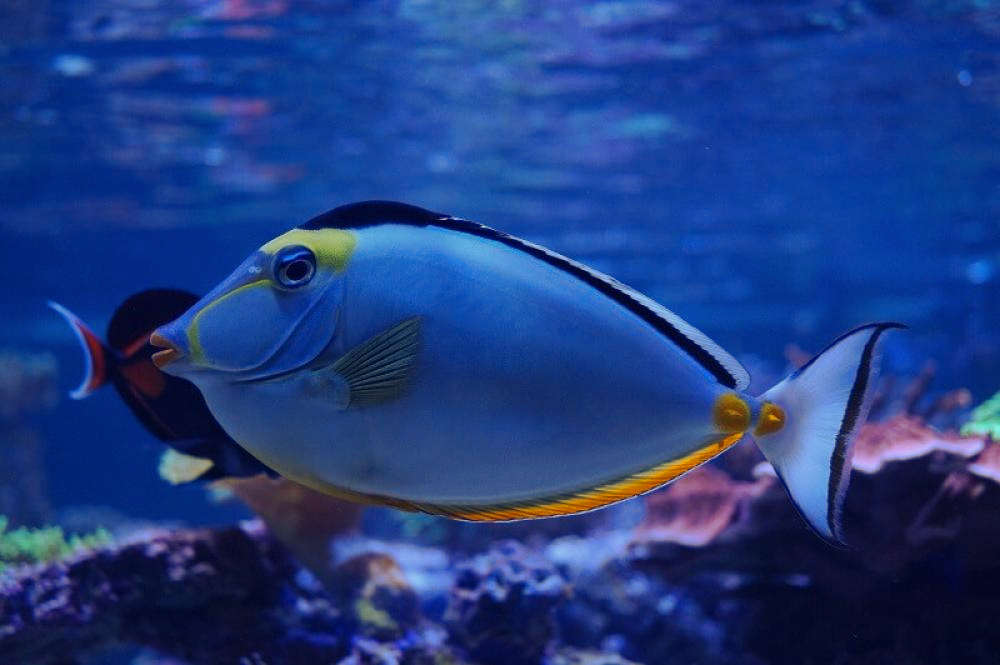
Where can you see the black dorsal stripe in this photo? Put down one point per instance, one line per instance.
(374, 213)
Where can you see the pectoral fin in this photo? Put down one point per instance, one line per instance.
(379, 369)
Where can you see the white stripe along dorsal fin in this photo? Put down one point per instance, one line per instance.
(722, 366)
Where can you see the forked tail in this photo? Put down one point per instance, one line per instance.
(825, 402)
(96, 356)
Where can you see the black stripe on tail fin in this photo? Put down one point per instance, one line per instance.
(826, 401)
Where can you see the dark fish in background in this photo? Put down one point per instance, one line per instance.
(172, 409)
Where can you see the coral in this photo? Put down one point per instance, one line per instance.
(375, 593)
(585, 657)
(205, 596)
(987, 464)
(905, 437)
(44, 545)
(914, 397)
(985, 419)
(501, 605)
(641, 614)
(303, 519)
(230, 595)
(697, 508)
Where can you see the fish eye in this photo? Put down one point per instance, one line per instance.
(294, 266)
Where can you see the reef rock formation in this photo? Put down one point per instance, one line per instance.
(205, 596)
(230, 595)
(501, 605)
(303, 519)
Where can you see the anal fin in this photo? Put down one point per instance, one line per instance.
(553, 506)
(585, 500)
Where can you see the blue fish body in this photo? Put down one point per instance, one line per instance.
(391, 354)
(528, 383)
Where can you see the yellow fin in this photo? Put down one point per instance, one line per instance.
(177, 468)
(597, 497)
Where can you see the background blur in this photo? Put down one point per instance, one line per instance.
(775, 172)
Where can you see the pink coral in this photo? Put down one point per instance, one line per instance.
(906, 437)
(987, 465)
(698, 507)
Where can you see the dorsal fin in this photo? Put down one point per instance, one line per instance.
(722, 366)
(137, 317)
(372, 213)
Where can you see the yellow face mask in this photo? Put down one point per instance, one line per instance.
(276, 312)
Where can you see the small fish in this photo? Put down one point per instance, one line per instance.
(171, 409)
(395, 355)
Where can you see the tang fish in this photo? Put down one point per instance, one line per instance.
(390, 354)
(171, 409)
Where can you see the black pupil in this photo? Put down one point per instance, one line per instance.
(297, 270)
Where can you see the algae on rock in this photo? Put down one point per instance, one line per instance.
(985, 419)
(43, 545)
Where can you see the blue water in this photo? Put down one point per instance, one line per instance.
(774, 172)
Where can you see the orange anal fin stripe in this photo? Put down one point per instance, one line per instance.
(597, 497)
(591, 499)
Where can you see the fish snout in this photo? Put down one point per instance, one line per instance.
(170, 352)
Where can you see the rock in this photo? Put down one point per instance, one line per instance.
(501, 606)
(207, 596)
(372, 589)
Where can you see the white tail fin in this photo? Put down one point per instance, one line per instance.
(825, 401)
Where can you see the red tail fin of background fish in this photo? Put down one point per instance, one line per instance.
(96, 354)
(172, 409)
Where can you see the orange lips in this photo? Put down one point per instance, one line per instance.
(169, 352)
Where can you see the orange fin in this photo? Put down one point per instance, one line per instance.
(579, 502)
